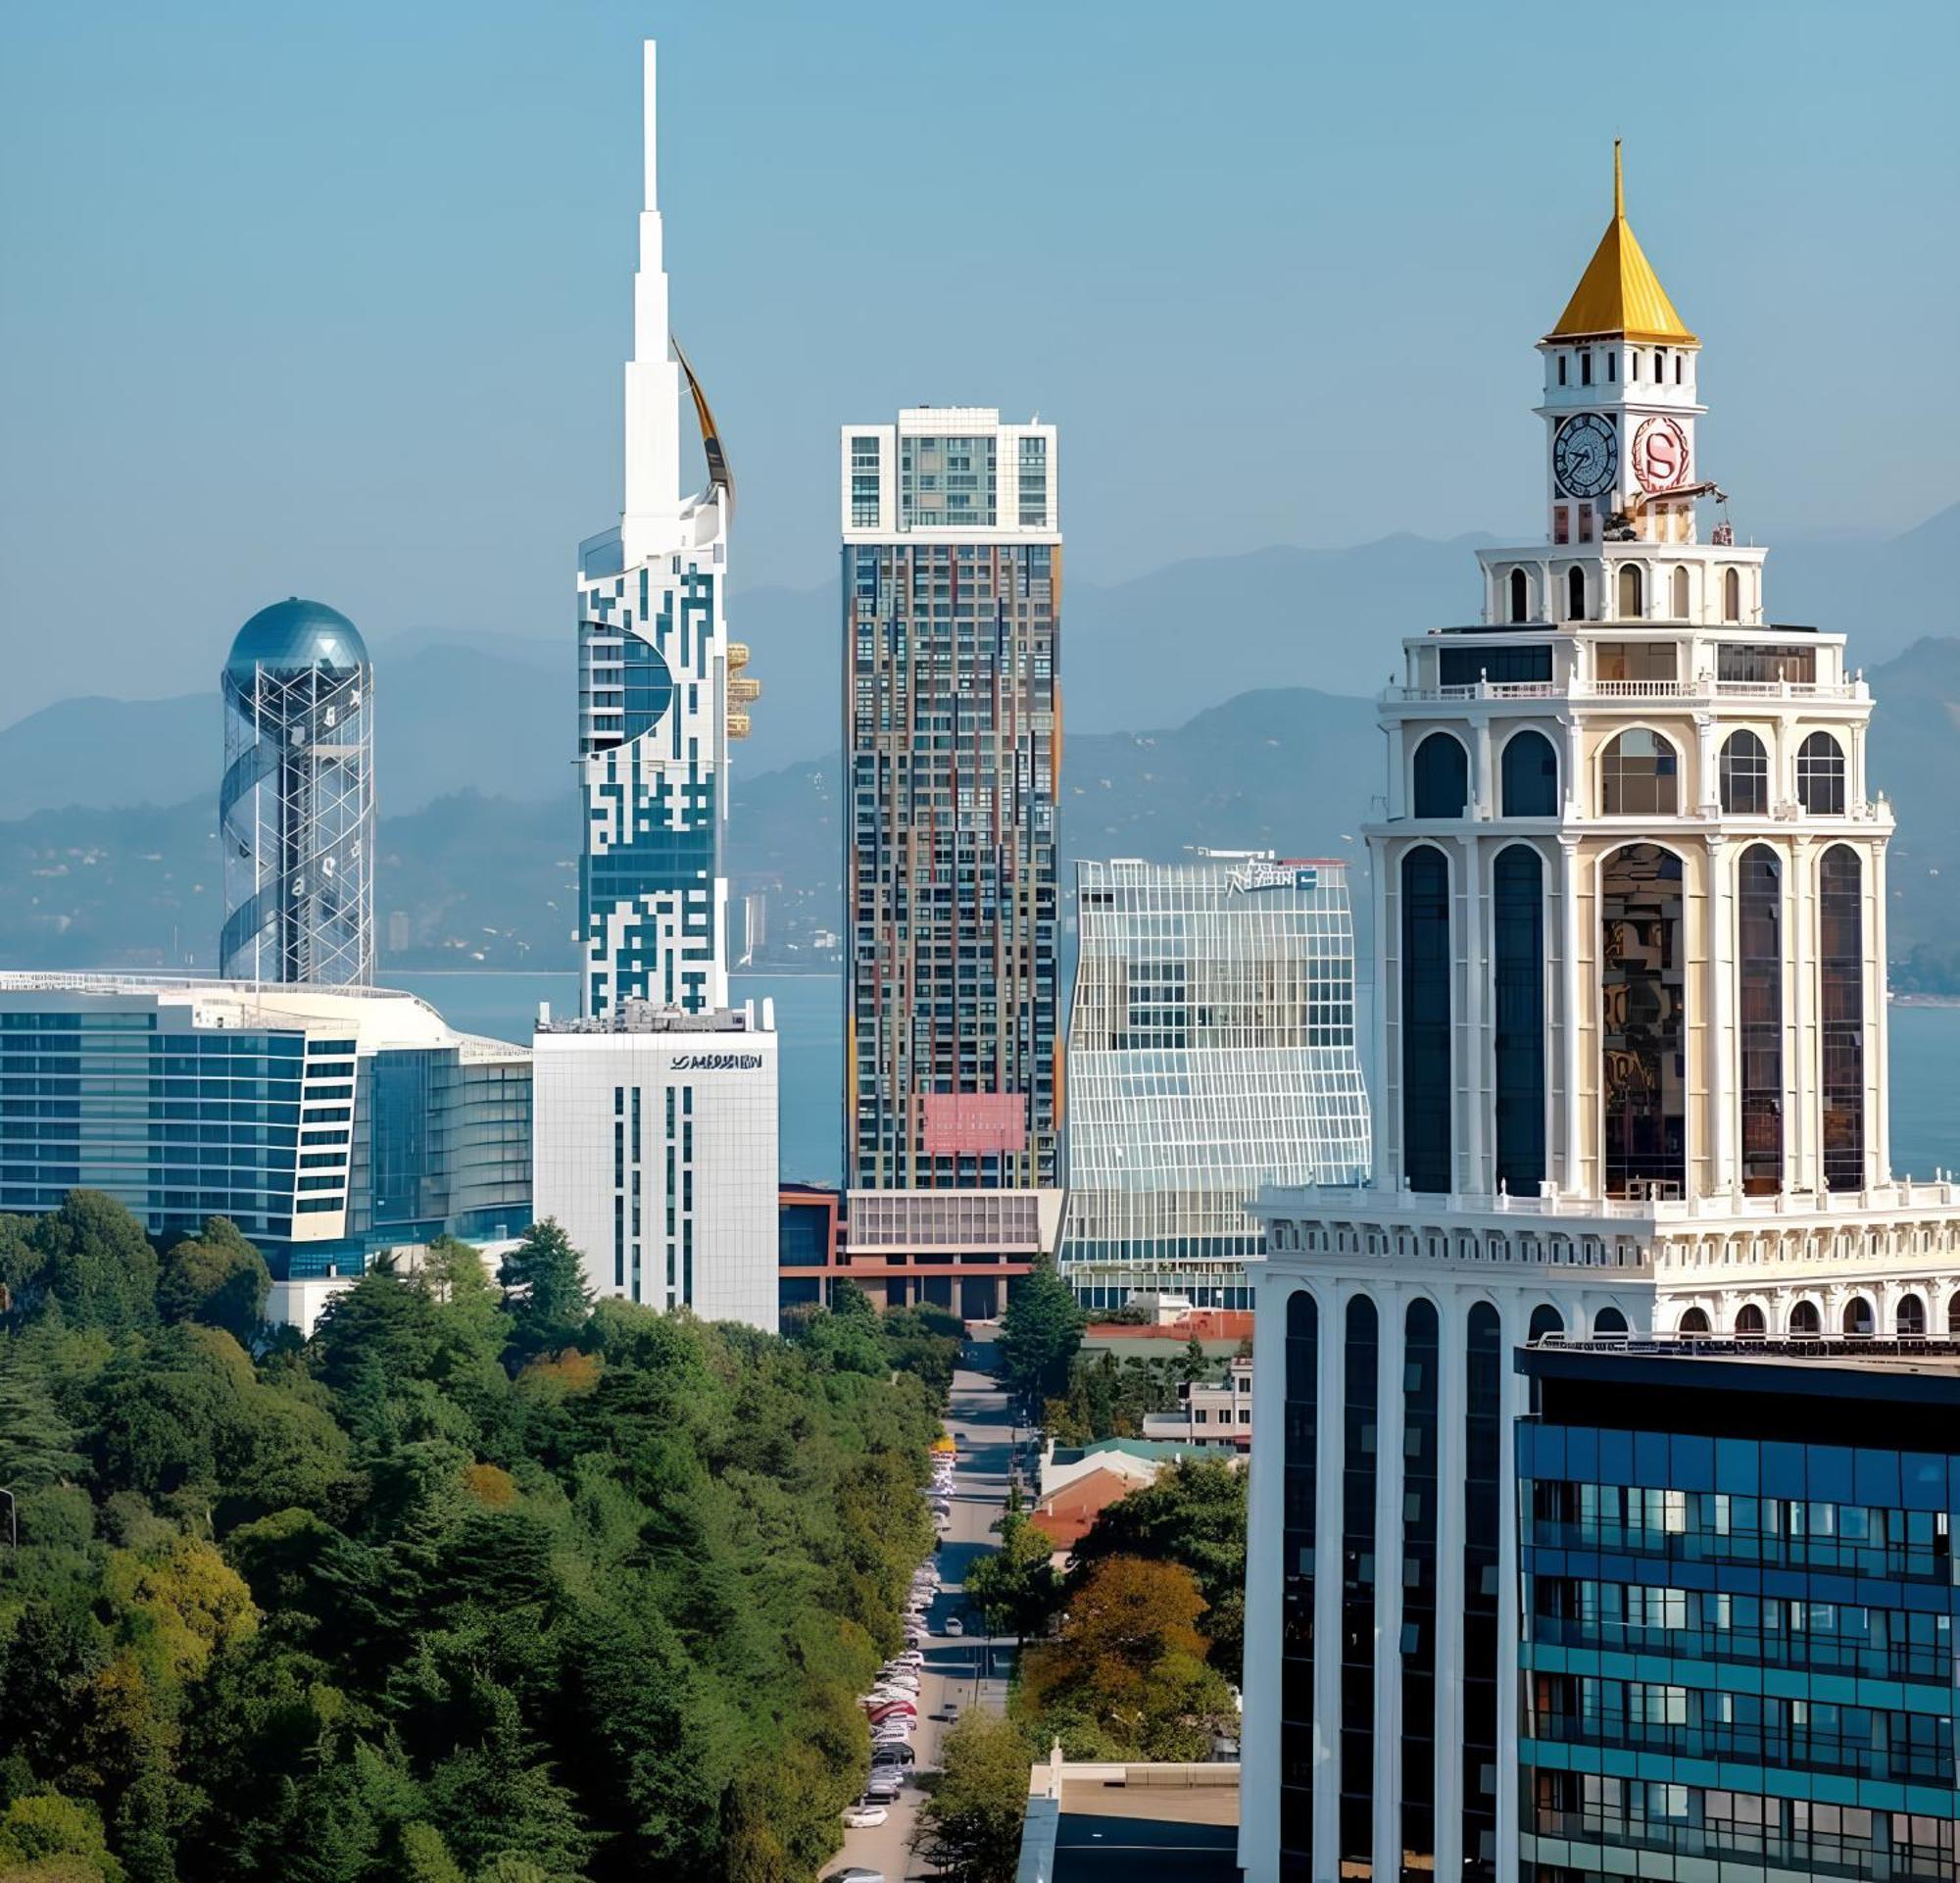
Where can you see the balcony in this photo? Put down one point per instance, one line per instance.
(1701, 690)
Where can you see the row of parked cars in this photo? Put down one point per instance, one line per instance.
(893, 1704)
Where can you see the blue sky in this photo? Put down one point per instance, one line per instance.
(333, 299)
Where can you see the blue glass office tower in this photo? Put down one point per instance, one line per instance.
(327, 1124)
(1738, 1612)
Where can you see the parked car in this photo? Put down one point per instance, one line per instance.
(893, 1755)
(863, 1815)
(952, 1625)
(854, 1873)
(882, 1787)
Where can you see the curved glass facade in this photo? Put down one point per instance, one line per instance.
(1421, 1362)
(1841, 1020)
(1483, 1527)
(1425, 1020)
(1643, 1090)
(1358, 1476)
(1527, 775)
(1297, 1585)
(1442, 777)
(1759, 1021)
(1517, 1045)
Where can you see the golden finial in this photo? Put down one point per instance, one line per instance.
(1619, 187)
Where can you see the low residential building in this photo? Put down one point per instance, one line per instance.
(1067, 1514)
(1210, 1413)
(1118, 1822)
(327, 1124)
(655, 1151)
(1136, 1459)
(1738, 1609)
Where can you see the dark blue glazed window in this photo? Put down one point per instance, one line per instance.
(1421, 1362)
(1442, 778)
(1517, 897)
(1483, 1467)
(1358, 1478)
(1759, 972)
(1529, 775)
(1297, 1585)
(1841, 980)
(1427, 1087)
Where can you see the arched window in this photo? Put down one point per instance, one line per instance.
(1609, 1320)
(1820, 776)
(1953, 1314)
(1517, 899)
(1639, 775)
(1546, 1319)
(1304, 1414)
(1575, 594)
(1745, 775)
(1521, 593)
(1759, 974)
(1842, 1025)
(1911, 1318)
(1427, 1085)
(1732, 594)
(1858, 1322)
(1421, 1514)
(1751, 1324)
(1442, 778)
(1694, 1321)
(1644, 1092)
(1360, 1471)
(1485, 1466)
(1528, 776)
(1805, 1322)
(1681, 594)
(1631, 592)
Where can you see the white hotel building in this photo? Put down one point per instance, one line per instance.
(1630, 925)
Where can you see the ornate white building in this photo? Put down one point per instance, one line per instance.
(1630, 923)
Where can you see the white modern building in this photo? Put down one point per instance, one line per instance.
(655, 1153)
(327, 1124)
(660, 687)
(656, 1141)
(1211, 1051)
(1630, 922)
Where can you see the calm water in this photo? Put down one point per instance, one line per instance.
(810, 1014)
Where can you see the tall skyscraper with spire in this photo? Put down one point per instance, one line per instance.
(654, 1135)
(660, 686)
(1630, 918)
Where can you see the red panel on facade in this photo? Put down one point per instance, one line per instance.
(975, 1122)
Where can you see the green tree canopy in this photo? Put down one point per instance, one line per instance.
(553, 1302)
(971, 1824)
(96, 1263)
(217, 1277)
(1040, 1334)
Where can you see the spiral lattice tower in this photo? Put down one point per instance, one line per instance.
(296, 810)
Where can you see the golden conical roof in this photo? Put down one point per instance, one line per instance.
(1619, 292)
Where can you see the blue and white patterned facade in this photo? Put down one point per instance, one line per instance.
(654, 670)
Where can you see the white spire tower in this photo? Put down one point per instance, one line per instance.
(649, 520)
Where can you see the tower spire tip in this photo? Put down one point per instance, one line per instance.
(1619, 187)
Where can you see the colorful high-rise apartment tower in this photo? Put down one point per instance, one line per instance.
(660, 693)
(952, 588)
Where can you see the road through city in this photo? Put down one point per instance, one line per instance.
(964, 1671)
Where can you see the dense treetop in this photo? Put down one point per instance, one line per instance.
(480, 1584)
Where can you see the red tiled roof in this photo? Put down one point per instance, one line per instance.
(1068, 1515)
(1207, 1324)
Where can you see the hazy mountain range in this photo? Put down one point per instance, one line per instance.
(109, 857)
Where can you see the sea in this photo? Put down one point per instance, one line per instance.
(810, 1016)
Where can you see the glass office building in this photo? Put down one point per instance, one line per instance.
(327, 1124)
(1738, 1606)
(1211, 1050)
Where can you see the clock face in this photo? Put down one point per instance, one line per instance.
(1586, 455)
(1660, 455)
